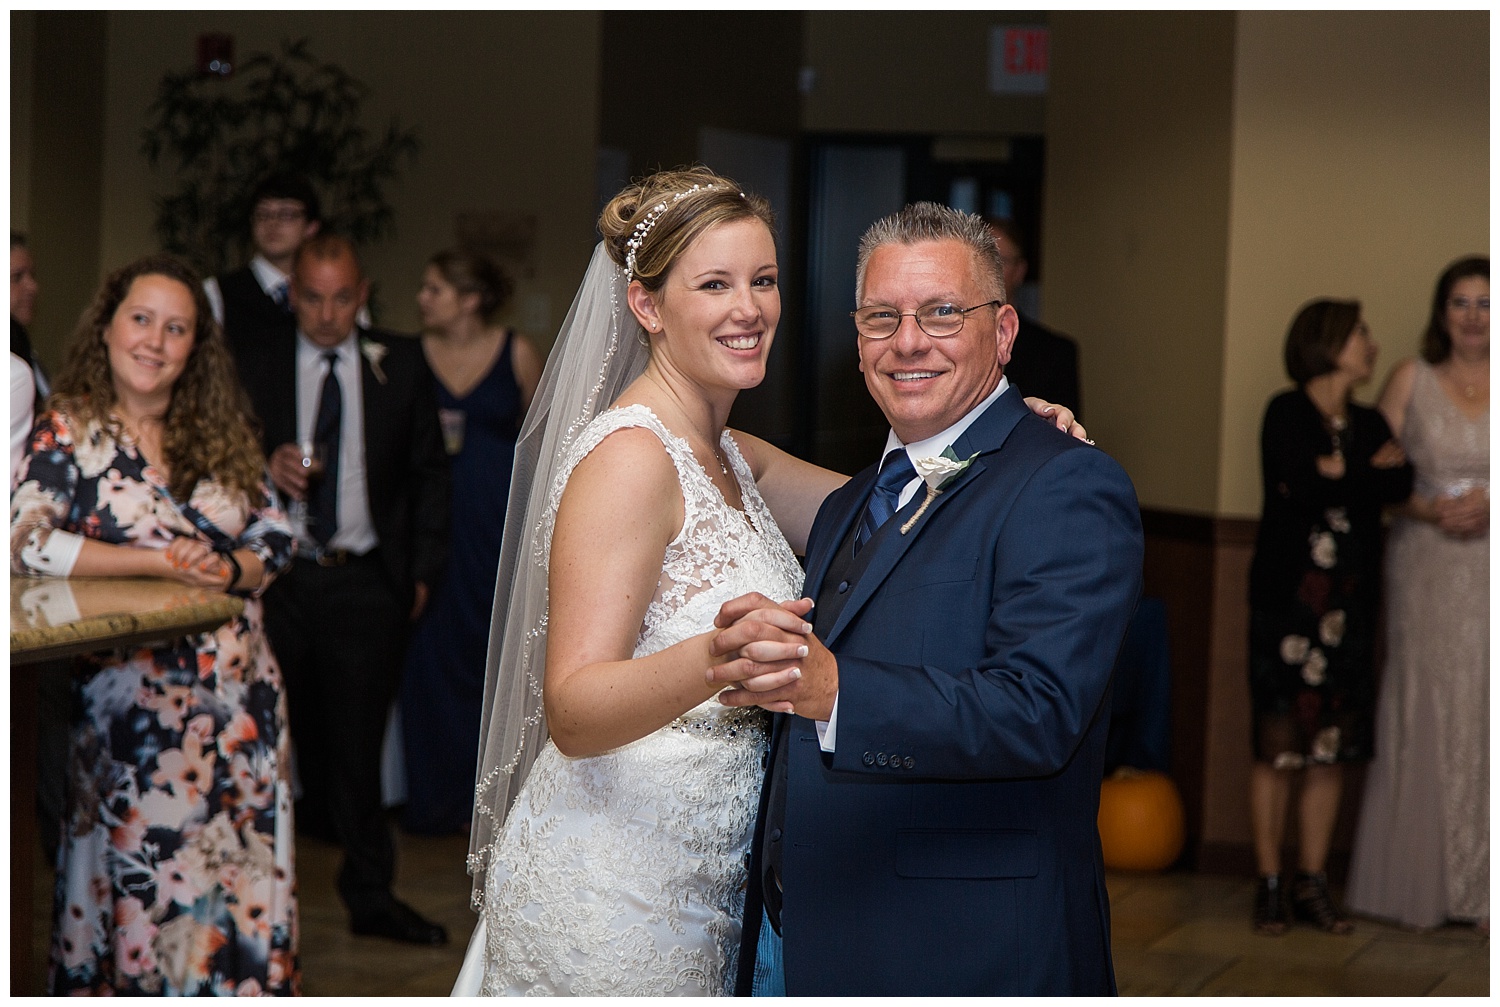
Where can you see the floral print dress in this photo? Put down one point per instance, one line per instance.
(1315, 586)
(175, 870)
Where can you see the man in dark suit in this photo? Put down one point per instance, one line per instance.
(928, 824)
(1043, 363)
(372, 532)
(256, 298)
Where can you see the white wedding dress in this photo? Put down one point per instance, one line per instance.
(623, 873)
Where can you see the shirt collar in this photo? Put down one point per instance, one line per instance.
(267, 275)
(347, 350)
(935, 445)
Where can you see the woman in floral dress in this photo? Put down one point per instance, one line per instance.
(175, 870)
(1329, 465)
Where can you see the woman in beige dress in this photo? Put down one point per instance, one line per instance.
(1422, 850)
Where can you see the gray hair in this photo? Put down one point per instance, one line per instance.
(934, 222)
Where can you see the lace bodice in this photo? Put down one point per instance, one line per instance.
(719, 554)
(623, 873)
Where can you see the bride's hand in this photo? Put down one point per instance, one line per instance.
(762, 643)
(1060, 415)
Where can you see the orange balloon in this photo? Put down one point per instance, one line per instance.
(1141, 826)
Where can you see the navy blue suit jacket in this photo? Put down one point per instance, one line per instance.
(950, 845)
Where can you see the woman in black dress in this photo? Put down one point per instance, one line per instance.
(1329, 465)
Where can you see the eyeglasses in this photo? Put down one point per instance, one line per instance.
(878, 321)
(1465, 304)
(283, 216)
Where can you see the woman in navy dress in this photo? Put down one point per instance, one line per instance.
(485, 375)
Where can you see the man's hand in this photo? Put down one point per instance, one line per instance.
(420, 594)
(287, 471)
(773, 658)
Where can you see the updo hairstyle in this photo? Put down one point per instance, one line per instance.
(472, 273)
(687, 213)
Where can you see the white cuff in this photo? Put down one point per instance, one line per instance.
(828, 729)
(55, 556)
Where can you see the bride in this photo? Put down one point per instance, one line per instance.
(619, 869)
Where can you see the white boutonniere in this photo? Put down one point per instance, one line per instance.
(374, 352)
(938, 473)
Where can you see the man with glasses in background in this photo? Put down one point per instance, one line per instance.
(928, 823)
(257, 297)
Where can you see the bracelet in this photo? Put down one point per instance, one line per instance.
(235, 573)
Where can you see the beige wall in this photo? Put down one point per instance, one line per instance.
(1361, 169)
(1207, 173)
(479, 89)
(1136, 212)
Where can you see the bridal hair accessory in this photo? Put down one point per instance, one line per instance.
(643, 228)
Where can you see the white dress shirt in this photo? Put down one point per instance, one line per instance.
(932, 447)
(356, 529)
(267, 275)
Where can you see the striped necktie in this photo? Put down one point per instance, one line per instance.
(895, 473)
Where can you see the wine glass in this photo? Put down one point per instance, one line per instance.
(311, 456)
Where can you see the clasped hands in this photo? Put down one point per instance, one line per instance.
(1464, 516)
(196, 563)
(767, 654)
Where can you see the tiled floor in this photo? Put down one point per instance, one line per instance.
(1174, 934)
(1189, 934)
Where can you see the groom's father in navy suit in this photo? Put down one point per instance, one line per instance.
(928, 824)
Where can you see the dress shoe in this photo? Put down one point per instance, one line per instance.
(399, 922)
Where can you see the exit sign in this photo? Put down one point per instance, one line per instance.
(1018, 59)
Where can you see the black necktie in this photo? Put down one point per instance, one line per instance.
(324, 496)
(281, 294)
(895, 473)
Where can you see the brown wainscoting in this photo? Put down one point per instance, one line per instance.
(1200, 567)
(1185, 556)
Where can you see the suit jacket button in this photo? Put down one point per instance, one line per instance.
(869, 759)
(909, 762)
(881, 759)
(775, 835)
(843, 586)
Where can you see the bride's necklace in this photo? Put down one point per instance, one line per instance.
(718, 454)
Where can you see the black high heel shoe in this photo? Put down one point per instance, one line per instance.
(1312, 904)
(1273, 913)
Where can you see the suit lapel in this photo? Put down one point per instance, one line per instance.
(373, 393)
(986, 434)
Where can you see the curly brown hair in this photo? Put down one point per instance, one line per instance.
(207, 430)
